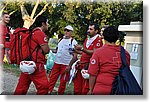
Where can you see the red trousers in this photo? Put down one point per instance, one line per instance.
(58, 70)
(78, 83)
(81, 85)
(39, 78)
(85, 88)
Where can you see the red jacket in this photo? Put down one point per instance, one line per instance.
(3, 31)
(105, 64)
(97, 43)
(39, 38)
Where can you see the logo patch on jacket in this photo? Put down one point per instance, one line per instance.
(93, 61)
(45, 39)
(98, 44)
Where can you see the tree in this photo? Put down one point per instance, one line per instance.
(78, 14)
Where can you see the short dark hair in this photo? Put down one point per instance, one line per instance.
(96, 26)
(111, 34)
(39, 20)
(5, 12)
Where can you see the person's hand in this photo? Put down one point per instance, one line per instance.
(68, 68)
(46, 56)
(77, 47)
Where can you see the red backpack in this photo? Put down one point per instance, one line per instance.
(20, 46)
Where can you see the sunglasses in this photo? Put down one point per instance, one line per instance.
(67, 30)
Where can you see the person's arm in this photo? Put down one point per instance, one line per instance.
(93, 70)
(79, 48)
(74, 58)
(77, 51)
(89, 52)
(45, 48)
(91, 84)
(41, 39)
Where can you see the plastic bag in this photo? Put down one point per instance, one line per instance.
(50, 60)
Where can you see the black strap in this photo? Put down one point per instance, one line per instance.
(38, 47)
(71, 41)
(19, 46)
(14, 47)
(30, 57)
(123, 56)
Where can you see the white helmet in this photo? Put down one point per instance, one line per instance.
(27, 67)
(85, 74)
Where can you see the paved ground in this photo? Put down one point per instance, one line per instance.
(9, 82)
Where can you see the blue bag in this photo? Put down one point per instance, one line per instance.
(50, 60)
(125, 83)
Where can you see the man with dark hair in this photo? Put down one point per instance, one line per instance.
(5, 35)
(39, 78)
(81, 84)
(105, 63)
(96, 26)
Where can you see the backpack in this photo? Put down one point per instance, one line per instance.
(125, 83)
(20, 46)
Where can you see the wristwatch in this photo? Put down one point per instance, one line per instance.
(82, 49)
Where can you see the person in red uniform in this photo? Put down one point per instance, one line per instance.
(5, 35)
(105, 63)
(39, 77)
(81, 85)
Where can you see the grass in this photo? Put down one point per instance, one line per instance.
(68, 91)
(16, 71)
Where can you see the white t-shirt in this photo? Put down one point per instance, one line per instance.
(63, 55)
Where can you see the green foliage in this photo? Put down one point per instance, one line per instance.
(79, 15)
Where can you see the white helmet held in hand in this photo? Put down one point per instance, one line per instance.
(27, 67)
(85, 74)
